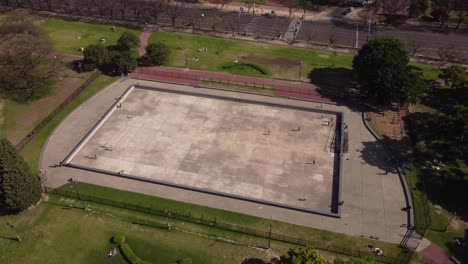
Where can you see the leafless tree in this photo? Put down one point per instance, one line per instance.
(155, 9)
(393, 9)
(415, 46)
(214, 20)
(292, 6)
(461, 7)
(172, 9)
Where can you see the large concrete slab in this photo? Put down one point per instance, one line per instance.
(372, 198)
(263, 152)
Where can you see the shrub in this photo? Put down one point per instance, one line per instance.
(157, 53)
(185, 261)
(128, 40)
(120, 239)
(19, 188)
(129, 255)
(242, 65)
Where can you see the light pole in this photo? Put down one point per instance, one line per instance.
(269, 233)
(369, 28)
(300, 70)
(356, 45)
(185, 53)
(79, 194)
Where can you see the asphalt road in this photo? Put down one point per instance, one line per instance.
(336, 30)
(344, 34)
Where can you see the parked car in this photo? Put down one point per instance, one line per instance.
(347, 11)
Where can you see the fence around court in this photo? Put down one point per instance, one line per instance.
(299, 90)
(55, 112)
(188, 217)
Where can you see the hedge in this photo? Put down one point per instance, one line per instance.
(185, 261)
(118, 239)
(127, 252)
(243, 64)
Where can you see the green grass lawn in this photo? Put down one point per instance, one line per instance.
(53, 234)
(280, 62)
(64, 34)
(32, 150)
(322, 237)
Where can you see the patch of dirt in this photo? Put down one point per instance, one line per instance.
(324, 56)
(280, 62)
(39, 109)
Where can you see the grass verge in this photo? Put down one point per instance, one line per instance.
(31, 152)
(325, 238)
(69, 36)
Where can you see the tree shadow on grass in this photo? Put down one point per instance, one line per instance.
(337, 84)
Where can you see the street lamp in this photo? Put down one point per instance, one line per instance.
(269, 233)
(185, 52)
(79, 194)
(300, 70)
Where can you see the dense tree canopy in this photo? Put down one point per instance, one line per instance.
(128, 40)
(384, 75)
(95, 56)
(307, 255)
(157, 53)
(114, 59)
(19, 189)
(26, 67)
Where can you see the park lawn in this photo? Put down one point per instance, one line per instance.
(280, 62)
(64, 34)
(51, 233)
(325, 238)
(31, 152)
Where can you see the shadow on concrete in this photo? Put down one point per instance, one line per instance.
(376, 155)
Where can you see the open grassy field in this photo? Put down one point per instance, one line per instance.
(279, 61)
(20, 117)
(54, 233)
(32, 150)
(322, 237)
(69, 36)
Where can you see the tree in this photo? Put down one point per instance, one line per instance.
(393, 9)
(157, 53)
(26, 68)
(291, 5)
(415, 46)
(384, 75)
(461, 7)
(95, 56)
(304, 4)
(307, 255)
(172, 9)
(455, 75)
(128, 40)
(120, 61)
(418, 7)
(441, 10)
(19, 188)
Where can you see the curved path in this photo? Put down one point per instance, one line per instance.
(372, 198)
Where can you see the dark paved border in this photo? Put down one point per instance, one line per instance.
(337, 170)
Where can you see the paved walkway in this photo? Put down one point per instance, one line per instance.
(372, 198)
(431, 253)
